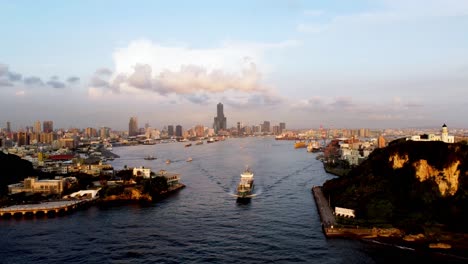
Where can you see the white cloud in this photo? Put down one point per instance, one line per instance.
(167, 70)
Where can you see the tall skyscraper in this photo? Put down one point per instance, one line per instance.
(170, 130)
(220, 119)
(266, 127)
(37, 127)
(282, 127)
(178, 131)
(133, 126)
(8, 127)
(48, 126)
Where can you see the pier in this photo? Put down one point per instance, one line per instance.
(325, 212)
(54, 207)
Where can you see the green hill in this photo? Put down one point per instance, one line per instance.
(409, 185)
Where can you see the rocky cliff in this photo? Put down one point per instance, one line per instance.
(409, 185)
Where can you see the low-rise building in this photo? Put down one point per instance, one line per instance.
(33, 185)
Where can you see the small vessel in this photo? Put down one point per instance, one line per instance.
(313, 146)
(300, 144)
(150, 157)
(189, 159)
(210, 140)
(188, 145)
(199, 142)
(246, 184)
(168, 161)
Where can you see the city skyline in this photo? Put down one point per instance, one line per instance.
(377, 64)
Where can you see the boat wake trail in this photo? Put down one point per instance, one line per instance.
(296, 172)
(213, 178)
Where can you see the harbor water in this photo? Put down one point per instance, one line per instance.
(202, 223)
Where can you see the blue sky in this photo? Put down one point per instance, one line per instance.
(341, 63)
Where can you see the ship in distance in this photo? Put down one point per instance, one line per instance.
(150, 157)
(246, 184)
(300, 144)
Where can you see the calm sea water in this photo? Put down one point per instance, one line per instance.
(202, 223)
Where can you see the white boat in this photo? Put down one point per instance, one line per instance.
(246, 184)
(189, 159)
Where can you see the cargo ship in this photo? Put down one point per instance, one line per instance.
(246, 185)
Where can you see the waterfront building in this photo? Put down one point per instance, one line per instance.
(142, 171)
(266, 127)
(8, 127)
(220, 122)
(33, 185)
(199, 131)
(133, 126)
(276, 130)
(171, 178)
(170, 130)
(48, 126)
(178, 131)
(104, 132)
(282, 127)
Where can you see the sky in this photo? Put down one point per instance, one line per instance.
(336, 63)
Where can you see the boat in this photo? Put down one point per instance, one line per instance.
(189, 159)
(168, 161)
(246, 184)
(300, 144)
(188, 145)
(150, 157)
(210, 140)
(200, 142)
(313, 146)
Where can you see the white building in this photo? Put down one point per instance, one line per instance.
(444, 137)
(142, 171)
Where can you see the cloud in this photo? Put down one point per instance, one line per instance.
(198, 98)
(7, 78)
(146, 66)
(73, 80)
(14, 77)
(33, 81)
(103, 72)
(5, 83)
(56, 84)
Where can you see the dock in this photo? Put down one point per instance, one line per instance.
(325, 212)
(55, 207)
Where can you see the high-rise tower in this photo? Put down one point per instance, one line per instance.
(133, 126)
(220, 119)
(48, 126)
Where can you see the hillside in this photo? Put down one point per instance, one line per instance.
(410, 185)
(13, 169)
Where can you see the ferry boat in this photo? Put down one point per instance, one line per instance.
(246, 184)
(150, 157)
(300, 144)
(210, 140)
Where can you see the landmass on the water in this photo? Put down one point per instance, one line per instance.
(416, 190)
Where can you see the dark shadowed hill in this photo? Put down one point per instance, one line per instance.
(13, 169)
(409, 185)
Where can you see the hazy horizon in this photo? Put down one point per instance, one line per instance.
(370, 64)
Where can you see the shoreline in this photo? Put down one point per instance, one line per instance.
(387, 236)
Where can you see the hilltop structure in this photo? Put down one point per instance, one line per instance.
(444, 136)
